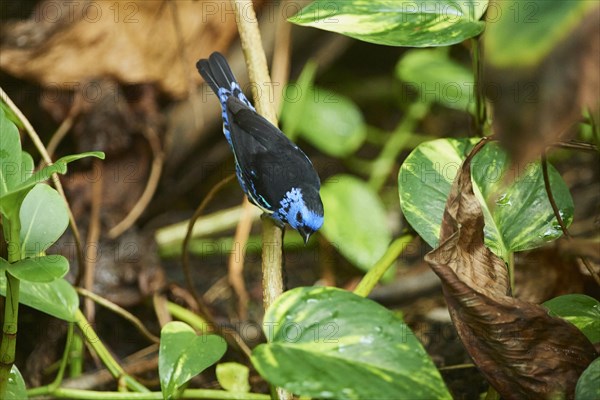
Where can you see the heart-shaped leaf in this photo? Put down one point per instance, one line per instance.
(40, 269)
(44, 219)
(580, 310)
(329, 343)
(518, 217)
(56, 298)
(356, 223)
(233, 377)
(397, 23)
(183, 355)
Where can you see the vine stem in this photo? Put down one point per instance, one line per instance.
(11, 305)
(272, 251)
(394, 250)
(9, 331)
(111, 364)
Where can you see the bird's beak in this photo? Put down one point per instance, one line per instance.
(305, 233)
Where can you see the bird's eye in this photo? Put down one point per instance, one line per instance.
(298, 216)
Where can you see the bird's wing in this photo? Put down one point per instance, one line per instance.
(270, 163)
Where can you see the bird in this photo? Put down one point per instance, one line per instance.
(272, 171)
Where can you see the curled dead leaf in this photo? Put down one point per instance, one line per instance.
(520, 349)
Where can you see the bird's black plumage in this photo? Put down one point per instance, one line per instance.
(275, 174)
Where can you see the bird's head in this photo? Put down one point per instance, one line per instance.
(302, 209)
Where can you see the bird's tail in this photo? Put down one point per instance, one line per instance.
(216, 71)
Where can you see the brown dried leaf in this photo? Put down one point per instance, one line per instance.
(538, 106)
(521, 350)
(68, 43)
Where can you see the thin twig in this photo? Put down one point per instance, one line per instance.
(120, 311)
(237, 258)
(150, 189)
(185, 256)
(563, 227)
(574, 145)
(93, 239)
(46, 157)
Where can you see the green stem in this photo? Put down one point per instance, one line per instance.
(11, 306)
(111, 364)
(369, 281)
(383, 165)
(9, 331)
(76, 356)
(67, 393)
(189, 317)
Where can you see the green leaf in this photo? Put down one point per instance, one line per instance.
(437, 78)
(40, 269)
(44, 219)
(518, 217)
(56, 298)
(183, 355)
(15, 390)
(580, 310)
(421, 23)
(59, 166)
(330, 343)
(540, 26)
(588, 385)
(10, 154)
(329, 121)
(356, 223)
(233, 377)
(13, 198)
